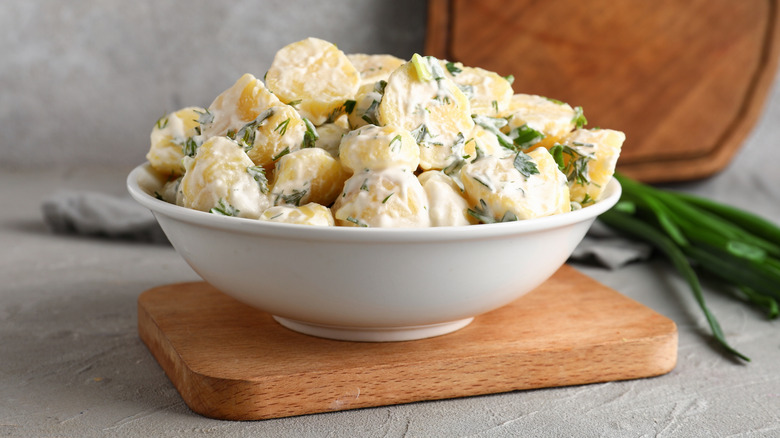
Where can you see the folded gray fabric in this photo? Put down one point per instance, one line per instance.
(605, 247)
(99, 214)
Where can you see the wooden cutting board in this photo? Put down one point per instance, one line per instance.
(685, 80)
(230, 361)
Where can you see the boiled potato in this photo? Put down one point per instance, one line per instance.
(307, 175)
(277, 131)
(309, 214)
(552, 118)
(590, 157)
(366, 106)
(330, 135)
(386, 198)
(375, 148)
(237, 106)
(420, 98)
(521, 186)
(447, 206)
(220, 179)
(488, 92)
(374, 68)
(314, 74)
(169, 137)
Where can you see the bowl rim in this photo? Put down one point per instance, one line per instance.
(609, 198)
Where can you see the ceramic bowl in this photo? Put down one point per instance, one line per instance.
(369, 284)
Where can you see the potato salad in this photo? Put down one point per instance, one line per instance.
(357, 140)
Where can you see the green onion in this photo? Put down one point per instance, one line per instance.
(700, 235)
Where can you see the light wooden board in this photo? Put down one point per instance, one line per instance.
(230, 361)
(685, 80)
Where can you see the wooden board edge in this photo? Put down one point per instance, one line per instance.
(257, 400)
(177, 371)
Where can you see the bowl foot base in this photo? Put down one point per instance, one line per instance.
(366, 334)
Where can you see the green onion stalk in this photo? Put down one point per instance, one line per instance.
(700, 235)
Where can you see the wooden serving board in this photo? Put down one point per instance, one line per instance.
(685, 80)
(230, 361)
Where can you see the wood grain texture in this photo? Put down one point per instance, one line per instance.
(230, 361)
(686, 80)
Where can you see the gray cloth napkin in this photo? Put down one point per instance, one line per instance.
(98, 214)
(605, 247)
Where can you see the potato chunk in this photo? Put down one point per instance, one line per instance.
(374, 68)
(309, 214)
(387, 198)
(375, 148)
(315, 74)
(277, 131)
(590, 157)
(516, 187)
(447, 206)
(488, 92)
(240, 104)
(307, 175)
(169, 138)
(431, 107)
(552, 118)
(220, 179)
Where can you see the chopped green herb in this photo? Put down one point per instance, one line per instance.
(467, 90)
(295, 103)
(380, 85)
(246, 135)
(364, 186)
(224, 209)
(282, 127)
(525, 165)
(205, 118)
(555, 101)
(579, 119)
(387, 197)
(370, 116)
(258, 174)
(422, 68)
(284, 152)
(453, 68)
(310, 137)
(421, 134)
(349, 106)
(293, 198)
(483, 214)
(524, 137)
(510, 79)
(481, 181)
(494, 125)
(495, 105)
(356, 221)
(158, 195)
(396, 143)
(162, 122)
(190, 147)
(573, 162)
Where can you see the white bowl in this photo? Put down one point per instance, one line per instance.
(369, 284)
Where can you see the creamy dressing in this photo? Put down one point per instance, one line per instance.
(387, 198)
(219, 172)
(447, 206)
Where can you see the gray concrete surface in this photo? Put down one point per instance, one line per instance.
(83, 81)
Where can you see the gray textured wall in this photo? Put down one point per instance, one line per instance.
(84, 80)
